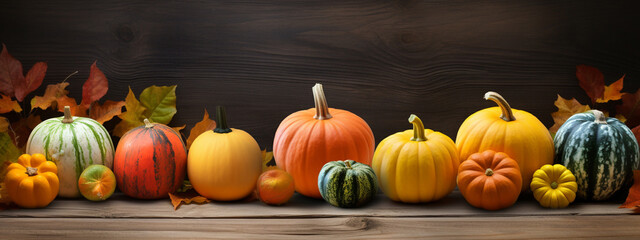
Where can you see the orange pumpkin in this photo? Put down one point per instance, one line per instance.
(490, 180)
(308, 139)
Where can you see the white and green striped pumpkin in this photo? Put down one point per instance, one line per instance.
(73, 143)
(601, 152)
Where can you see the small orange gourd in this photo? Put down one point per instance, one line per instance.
(307, 139)
(32, 181)
(490, 180)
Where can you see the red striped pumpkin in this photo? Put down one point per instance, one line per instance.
(150, 161)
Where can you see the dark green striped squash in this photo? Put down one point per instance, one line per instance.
(150, 161)
(73, 143)
(601, 152)
(347, 183)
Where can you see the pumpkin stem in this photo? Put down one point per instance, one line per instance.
(489, 172)
(148, 124)
(221, 121)
(67, 115)
(322, 109)
(418, 129)
(507, 113)
(600, 117)
(32, 171)
(347, 163)
(554, 185)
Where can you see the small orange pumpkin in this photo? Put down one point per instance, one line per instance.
(32, 182)
(307, 139)
(490, 180)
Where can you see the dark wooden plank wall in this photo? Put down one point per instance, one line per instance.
(380, 59)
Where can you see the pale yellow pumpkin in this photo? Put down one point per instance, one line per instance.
(417, 165)
(224, 164)
(517, 133)
(554, 186)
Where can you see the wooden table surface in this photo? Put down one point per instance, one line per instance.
(452, 217)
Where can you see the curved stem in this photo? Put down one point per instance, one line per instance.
(488, 172)
(67, 115)
(418, 129)
(322, 109)
(600, 117)
(31, 171)
(347, 163)
(507, 113)
(221, 121)
(148, 124)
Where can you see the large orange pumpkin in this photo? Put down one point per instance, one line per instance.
(517, 133)
(490, 180)
(308, 139)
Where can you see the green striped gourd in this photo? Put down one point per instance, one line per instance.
(347, 183)
(73, 143)
(601, 152)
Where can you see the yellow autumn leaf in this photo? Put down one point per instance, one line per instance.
(612, 92)
(268, 162)
(132, 117)
(4, 124)
(8, 105)
(566, 109)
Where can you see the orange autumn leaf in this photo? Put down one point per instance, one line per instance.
(612, 92)
(106, 111)
(178, 129)
(566, 109)
(76, 111)
(205, 125)
(591, 80)
(188, 197)
(636, 132)
(95, 87)
(633, 199)
(8, 105)
(51, 94)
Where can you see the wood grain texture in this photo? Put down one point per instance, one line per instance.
(379, 59)
(540, 227)
(299, 206)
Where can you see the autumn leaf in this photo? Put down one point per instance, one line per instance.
(591, 80)
(51, 94)
(160, 103)
(268, 162)
(178, 129)
(612, 92)
(4, 124)
(12, 79)
(31, 82)
(21, 129)
(636, 132)
(633, 199)
(76, 110)
(188, 197)
(8, 105)
(132, 117)
(630, 108)
(566, 109)
(8, 152)
(205, 125)
(10, 72)
(106, 111)
(95, 87)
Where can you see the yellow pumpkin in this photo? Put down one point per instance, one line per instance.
(224, 164)
(32, 182)
(554, 186)
(517, 133)
(417, 165)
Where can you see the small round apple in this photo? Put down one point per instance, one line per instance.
(275, 187)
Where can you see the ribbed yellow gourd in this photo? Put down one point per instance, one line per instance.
(417, 165)
(554, 186)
